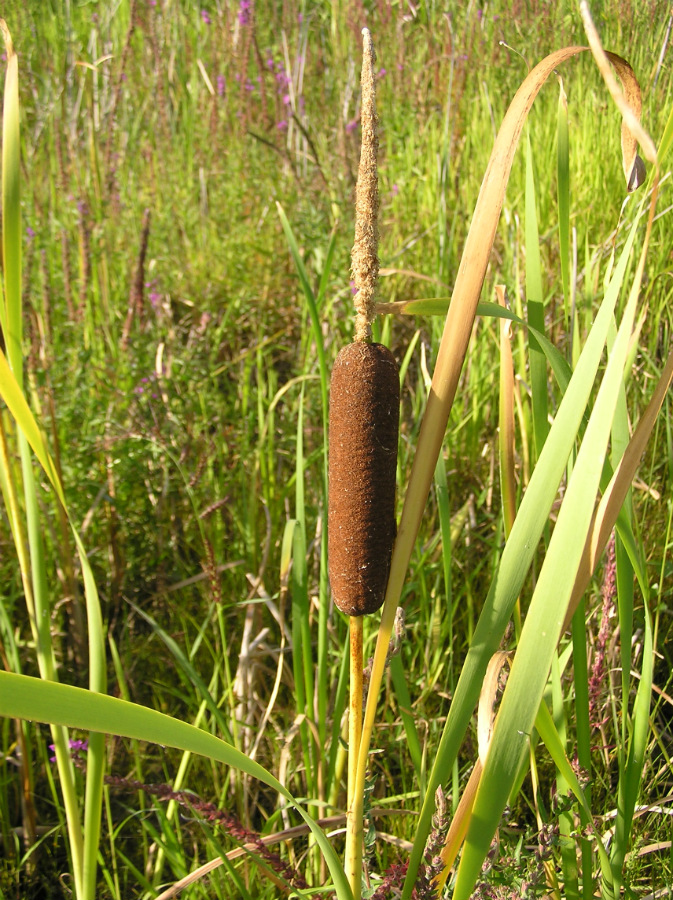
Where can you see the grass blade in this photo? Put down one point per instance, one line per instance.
(23, 697)
(563, 196)
(535, 309)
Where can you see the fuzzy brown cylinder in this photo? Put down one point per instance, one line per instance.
(363, 435)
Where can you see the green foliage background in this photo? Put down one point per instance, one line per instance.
(173, 410)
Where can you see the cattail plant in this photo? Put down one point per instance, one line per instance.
(363, 433)
(364, 409)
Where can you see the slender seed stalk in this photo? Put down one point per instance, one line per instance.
(364, 256)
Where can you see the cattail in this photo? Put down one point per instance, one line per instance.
(364, 410)
(363, 428)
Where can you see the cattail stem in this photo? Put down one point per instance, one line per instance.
(353, 858)
(364, 422)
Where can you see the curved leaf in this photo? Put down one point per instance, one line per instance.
(23, 697)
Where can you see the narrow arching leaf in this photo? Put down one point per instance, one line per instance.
(544, 621)
(519, 550)
(628, 101)
(23, 697)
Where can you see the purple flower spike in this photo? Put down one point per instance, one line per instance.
(352, 125)
(245, 12)
(76, 747)
(221, 85)
(205, 17)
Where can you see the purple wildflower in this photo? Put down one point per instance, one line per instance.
(282, 125)
(352, 125)
(381, 73)
(76, 748)
(205, 17)
(221, 85)
(599, 669)
(30, 233)
(245, 12)
(153, 294)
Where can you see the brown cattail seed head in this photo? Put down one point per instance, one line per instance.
(363, 434)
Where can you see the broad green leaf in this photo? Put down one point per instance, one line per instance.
(23, 697)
